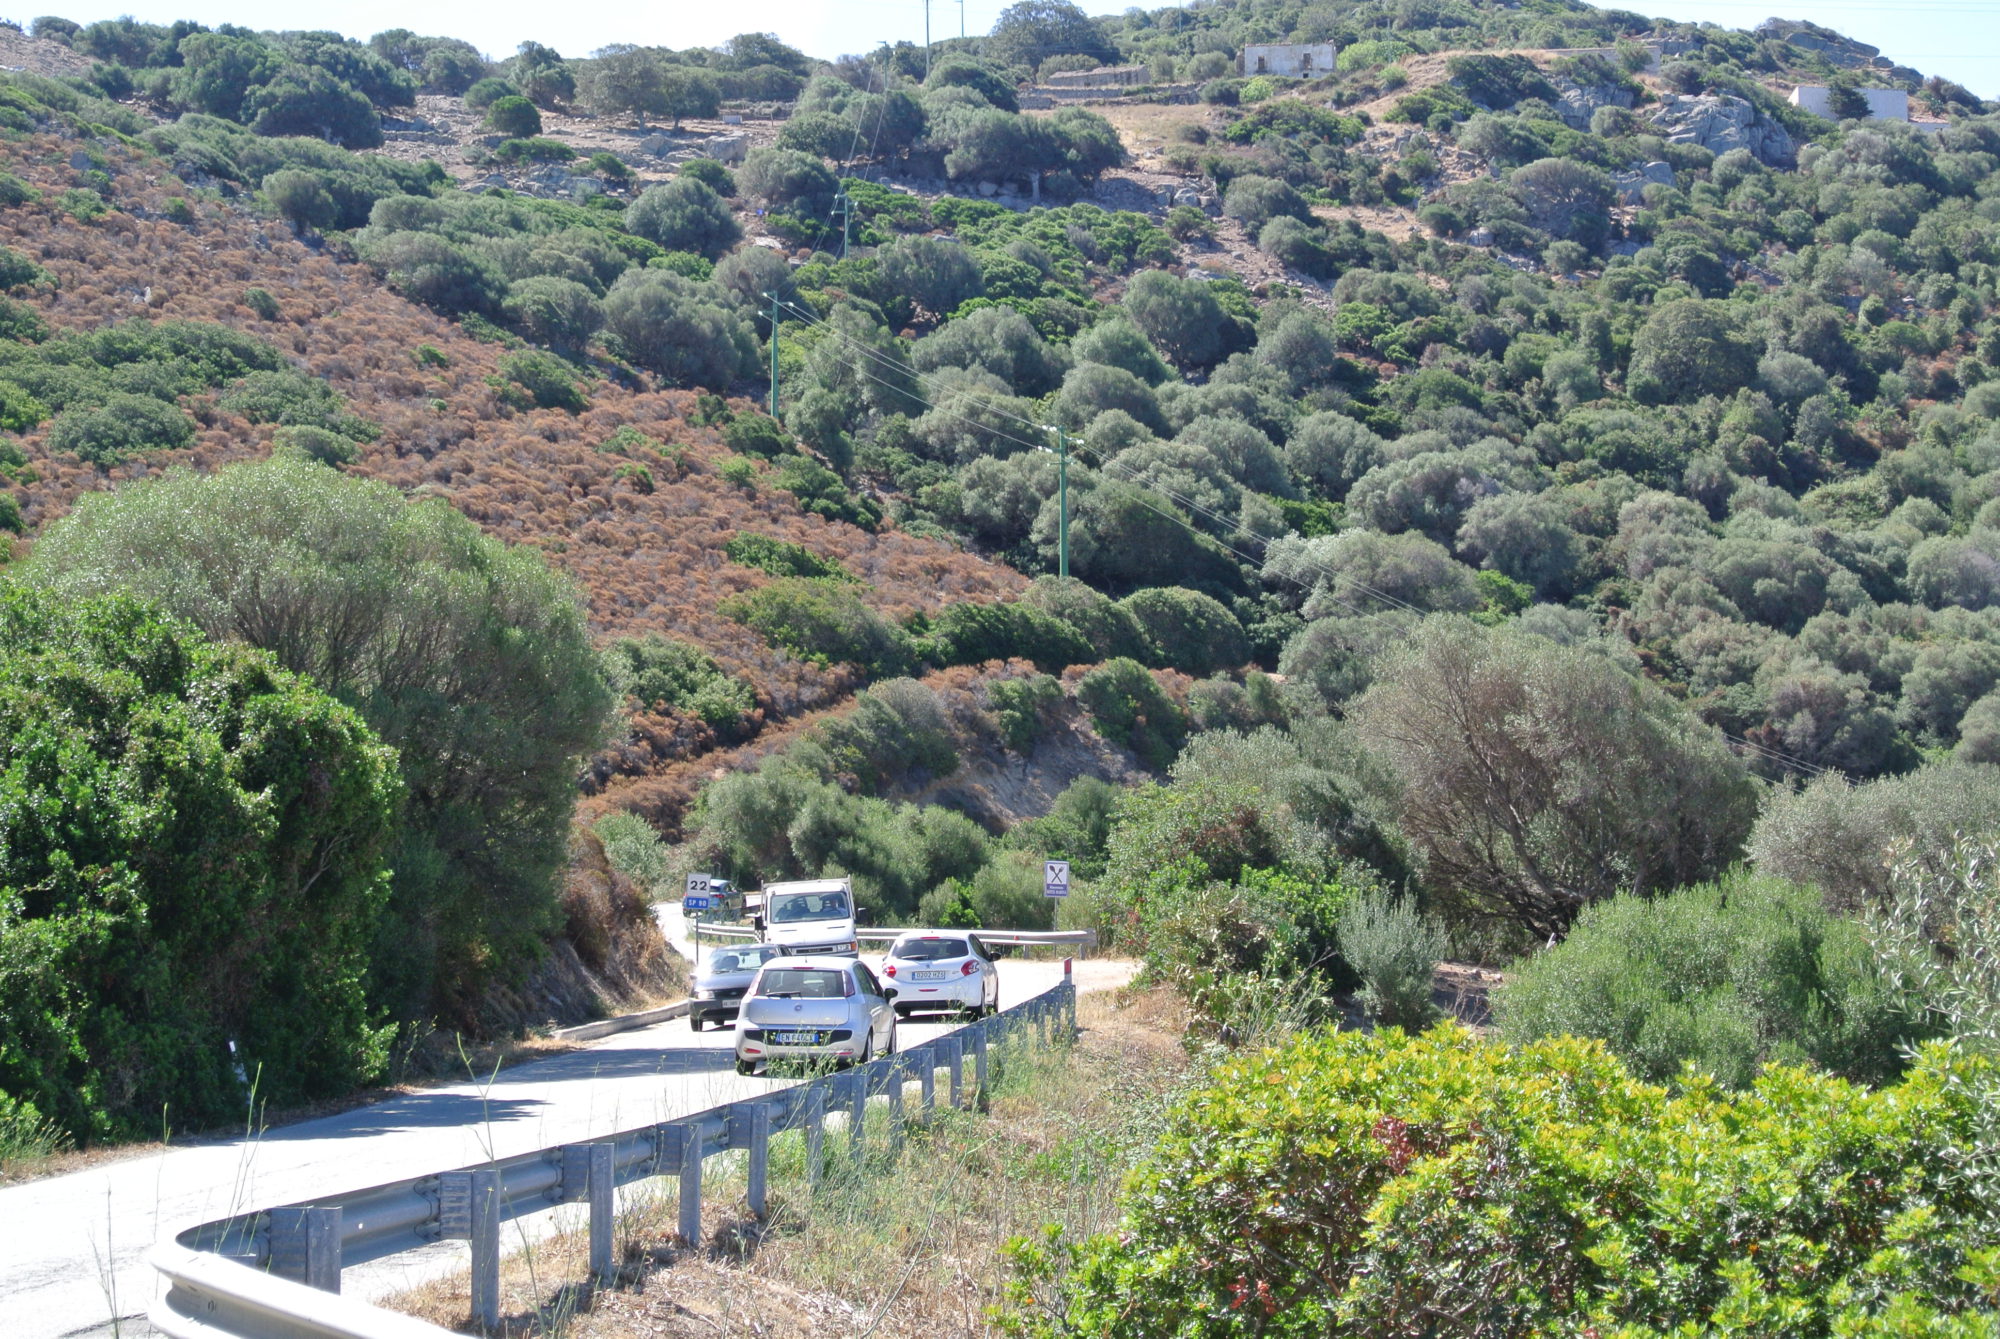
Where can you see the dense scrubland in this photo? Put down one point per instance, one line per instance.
(1600, 581)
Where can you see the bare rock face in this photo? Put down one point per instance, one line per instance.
(1632, 185)
(1579, 101)
(1721, 122)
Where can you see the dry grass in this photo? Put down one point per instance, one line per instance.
(910, 1247)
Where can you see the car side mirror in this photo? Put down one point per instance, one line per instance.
(757, 924)
(890, 992)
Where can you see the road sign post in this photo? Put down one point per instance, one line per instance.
(1055, 878)
(696, 900)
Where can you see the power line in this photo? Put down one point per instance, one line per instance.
(1107, 466)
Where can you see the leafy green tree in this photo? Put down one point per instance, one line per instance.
(123, 426)
(934, 274)
(1187, 630)
(561, 313)
(1032, 31)
(625, 81)
(686, 91)
(1688, 349)
(1537, 779)
(684, 215)
(1565, 198)
(1179, 316)
(193, 858)
(1115, 342)
(306, 100)
(542, 74)
(982, 79)
(786, 179)
(680, 329)
(217, 71)
(471, 658)
(1255, 200)
(483, 93)
(300, 199)
(1329, 453)
(513, 116)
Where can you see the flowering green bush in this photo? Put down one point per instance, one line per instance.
(1444, 1185)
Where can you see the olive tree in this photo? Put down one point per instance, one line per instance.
(682, 330)
(1535, 779)
(683, 215)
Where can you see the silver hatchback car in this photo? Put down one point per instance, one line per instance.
(817, 1008)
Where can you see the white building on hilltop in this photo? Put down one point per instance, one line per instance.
(1884, 104)
(1300, 60)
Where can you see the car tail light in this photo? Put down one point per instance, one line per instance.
(969, 968)
(889, 969)
(846, 986)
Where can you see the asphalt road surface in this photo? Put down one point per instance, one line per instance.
(72, 1247)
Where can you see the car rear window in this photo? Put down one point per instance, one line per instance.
(929, 950)
(747, 959)
(804, 983)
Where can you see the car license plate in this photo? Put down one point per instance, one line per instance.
(796, 1038)
(929, 976)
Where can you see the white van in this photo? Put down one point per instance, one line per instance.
(809, 916)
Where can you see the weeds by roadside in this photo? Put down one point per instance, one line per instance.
(886, 1248)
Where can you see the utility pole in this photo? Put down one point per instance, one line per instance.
(1062, 499)
(927, 41)
(774, 353)
(961, 20)
(845, 208)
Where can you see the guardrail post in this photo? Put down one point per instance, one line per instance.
(486, 1248)
(305, 1246)
(927, 1081)
(1069, 1000)
(749, 1127)
(954, 1059)
(815, 1101)
(601, 1192)
(690, 1192)
(893, 1067)
(1041, 1025)
(979, 1066)
(857, 1112)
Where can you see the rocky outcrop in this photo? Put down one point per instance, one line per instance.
(1579, 101)
(1632, 185)
(1721, 122)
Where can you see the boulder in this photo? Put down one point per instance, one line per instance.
(1580, 101)
(659, 146)
(1632, 185)
(989, 189)
(728, 148)
(1721, 122)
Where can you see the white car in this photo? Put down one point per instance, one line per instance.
(943, 969)
(815, 1008)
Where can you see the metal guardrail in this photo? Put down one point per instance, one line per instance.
(1076, 938)
(273, 1273)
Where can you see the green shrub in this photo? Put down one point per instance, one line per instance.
(20, 411)
(284, 396)
(820, 491)
(1187, 630)
(328, 448)
(513, 116)
(259, 300)
(83, 206)
(549, 381)
(133, 979)
(1730, 977)
(533, 150)
(124, 425)
(17, 271)
(1023, 707)
(1130, 708)
(634, 848)
(471, 658)
(657, 673)
(896, 728)
(823, 623)
(710, 174)
(14, 191)
(738, 471)
(1395, 949)
(1393, 1185)
(972, 634)
(10, 516)
(782, 558)
(485, 92)
(757, 435)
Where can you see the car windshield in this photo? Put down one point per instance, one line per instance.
(748, 959)
(808, 907)
(928, 950)
(803, 983)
